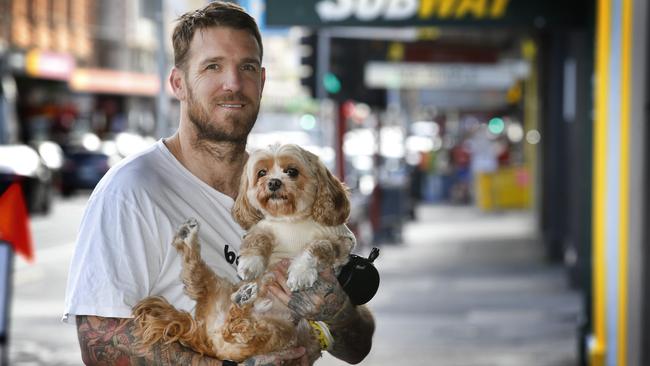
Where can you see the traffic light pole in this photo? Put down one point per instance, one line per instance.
(322, 61)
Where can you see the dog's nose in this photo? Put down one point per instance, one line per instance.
(274, 184)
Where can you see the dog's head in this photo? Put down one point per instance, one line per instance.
(289, 182)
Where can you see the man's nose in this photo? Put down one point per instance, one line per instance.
(232, 80)
(274, 184)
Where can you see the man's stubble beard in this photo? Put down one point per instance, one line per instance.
(209, 131)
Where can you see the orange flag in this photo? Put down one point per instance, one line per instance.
(14, 222)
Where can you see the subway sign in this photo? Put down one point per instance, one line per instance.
(318, 13)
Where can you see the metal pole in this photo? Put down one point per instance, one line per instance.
(162, 102)
(6, 272)
(322, 62)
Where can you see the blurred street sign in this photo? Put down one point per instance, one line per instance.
(455, 76)
(114, 82)
(426, 12)
(475, 100)
(49, 65)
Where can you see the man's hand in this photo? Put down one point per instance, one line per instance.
(278, 358)
(324, 301)
(351, 326)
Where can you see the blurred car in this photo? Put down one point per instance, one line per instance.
(21, 163)
(82, 169)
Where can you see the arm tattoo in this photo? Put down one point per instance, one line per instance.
(110, 341)
(352, 327)
(320, 302)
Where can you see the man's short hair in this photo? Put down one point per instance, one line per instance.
(215, 14)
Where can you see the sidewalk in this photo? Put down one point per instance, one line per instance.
(468, 288)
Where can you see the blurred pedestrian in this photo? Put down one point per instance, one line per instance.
(124, 252)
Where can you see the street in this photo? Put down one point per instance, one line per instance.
(466, 288)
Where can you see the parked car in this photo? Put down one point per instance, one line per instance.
(82, 169)
(21, 163)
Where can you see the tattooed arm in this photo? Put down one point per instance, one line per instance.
(110, 341)
(351, 326)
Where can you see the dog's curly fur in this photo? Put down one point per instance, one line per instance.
(292, 207)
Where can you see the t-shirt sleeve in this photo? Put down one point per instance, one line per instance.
(116, 259)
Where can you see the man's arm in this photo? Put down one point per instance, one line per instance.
(110, 341)
(351, 326)
(352, 329)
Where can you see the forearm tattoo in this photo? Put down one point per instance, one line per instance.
(352, 330)
(322, 301)
(352, 327)
(110, 341)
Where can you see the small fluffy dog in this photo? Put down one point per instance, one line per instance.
(292, 207)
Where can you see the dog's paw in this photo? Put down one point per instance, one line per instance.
(246, 294)
(250, 267)
(302, 272)
(186, 235)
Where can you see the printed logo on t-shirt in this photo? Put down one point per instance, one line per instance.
(231, 256)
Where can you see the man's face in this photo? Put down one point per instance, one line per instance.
(224, 81)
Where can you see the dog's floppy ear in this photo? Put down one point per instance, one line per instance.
(244, 213)
(332, 204)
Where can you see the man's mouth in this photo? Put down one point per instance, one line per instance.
(231, 105)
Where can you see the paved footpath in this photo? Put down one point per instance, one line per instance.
(468, 288)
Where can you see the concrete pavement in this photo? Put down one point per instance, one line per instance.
(468, 288)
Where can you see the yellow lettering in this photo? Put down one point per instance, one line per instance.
(426, 9)
(476, 7)
(441, 8)
(498, 8)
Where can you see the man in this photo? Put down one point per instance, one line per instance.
(124, 250)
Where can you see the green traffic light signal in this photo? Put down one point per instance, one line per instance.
(331, 83)
(496, 125)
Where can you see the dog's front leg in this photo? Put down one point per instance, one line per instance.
(256, 249)
(201, 283)
(332, 251)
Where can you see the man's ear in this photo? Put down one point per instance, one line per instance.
(177, 82)
(263, 79)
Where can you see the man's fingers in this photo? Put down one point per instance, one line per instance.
(290, 354)
(282, 266)
(281, 280)
(328, 274)
(279, 293)
(304, 360)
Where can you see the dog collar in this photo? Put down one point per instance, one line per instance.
(322, 333)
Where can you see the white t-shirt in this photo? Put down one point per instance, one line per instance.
(124, 249)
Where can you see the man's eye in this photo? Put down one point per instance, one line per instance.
(249, 67)
(212, 67)
(292, 172)
(261, 173)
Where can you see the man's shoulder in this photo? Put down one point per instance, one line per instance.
(133, 172)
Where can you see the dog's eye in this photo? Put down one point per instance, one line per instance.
(292, 172)
(261, 173)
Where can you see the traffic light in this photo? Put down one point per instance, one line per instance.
(348, 58)
(308, 54)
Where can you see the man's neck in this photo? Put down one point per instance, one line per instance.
(217, 164)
